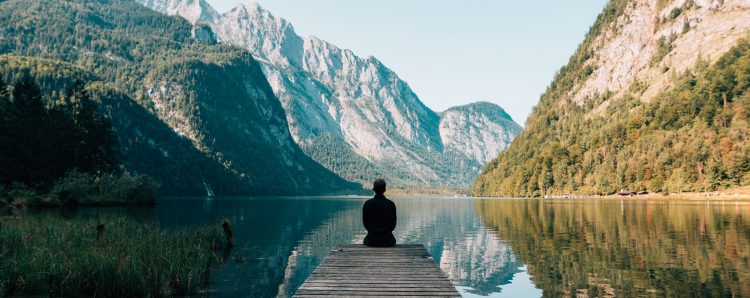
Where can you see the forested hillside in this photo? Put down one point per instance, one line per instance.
(144, 143)
(666, 131)
(184, 110)
(43, 142)
(353, 114)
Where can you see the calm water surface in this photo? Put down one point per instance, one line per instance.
(487, 247)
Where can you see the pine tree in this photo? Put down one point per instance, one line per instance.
(25, 115)
(6, 144)
(96, 147)
(37, 147)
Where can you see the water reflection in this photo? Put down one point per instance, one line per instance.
(626, 248)
(284, 239)
(472, 256)
(268, 233)
(486, 247)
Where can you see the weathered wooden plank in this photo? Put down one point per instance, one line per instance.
(377, 286)
(412, 264)
(366, 296)
(418, 266)
(342, 279)
(377, 279)
(379, 293)
(350, 270)
(380, 264)
(381, 258)
(375, 275)
(360, 246)
(395, 288)
(381, 255)
(356, 270)
(385, 285)
(379, 274)
(397, 267)
(380, 290)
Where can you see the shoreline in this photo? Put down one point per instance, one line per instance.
(685, 196)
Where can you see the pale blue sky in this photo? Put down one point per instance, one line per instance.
(452, 52)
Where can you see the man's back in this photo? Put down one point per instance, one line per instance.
(379, 218)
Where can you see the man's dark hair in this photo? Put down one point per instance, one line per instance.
(378, 186)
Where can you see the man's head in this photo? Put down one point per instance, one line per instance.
(378, 186)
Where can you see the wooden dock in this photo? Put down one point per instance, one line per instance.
(356, 270)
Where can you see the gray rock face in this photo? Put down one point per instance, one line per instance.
(204, 34)
(626, 53)
(357, 103)
(480, 130)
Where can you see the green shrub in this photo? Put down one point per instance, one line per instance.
(126, 188)
(77, 188)
(74, 187)
(17, 190)
(675, 13)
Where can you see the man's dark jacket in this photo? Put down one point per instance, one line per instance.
(379, 217)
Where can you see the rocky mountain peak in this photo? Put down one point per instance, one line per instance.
(195, 11)
(482, 107)
(647, 102)
(479, 130)
(345, 109)
(270, 37)
(652, 41)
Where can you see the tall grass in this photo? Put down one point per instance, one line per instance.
(112, 257)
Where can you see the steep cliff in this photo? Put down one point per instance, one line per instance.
(480, 130)
(654, 98)
(351, 114)
(212, 98)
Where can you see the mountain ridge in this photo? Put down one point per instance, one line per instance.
(358, 103)
(652, 99)
(215, 97)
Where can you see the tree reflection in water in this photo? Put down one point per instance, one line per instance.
(627, 248)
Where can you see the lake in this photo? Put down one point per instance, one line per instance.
(487, 247)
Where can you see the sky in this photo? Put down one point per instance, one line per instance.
(452, 52)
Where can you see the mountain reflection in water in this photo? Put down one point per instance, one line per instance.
(487, 247)
(284, 239)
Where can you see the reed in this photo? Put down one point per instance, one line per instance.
(53, 256)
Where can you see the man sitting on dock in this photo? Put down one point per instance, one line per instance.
(379, 218)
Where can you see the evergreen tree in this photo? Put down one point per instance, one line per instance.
(39, 145)
(96, 146)
(6, 143)
(26, 115)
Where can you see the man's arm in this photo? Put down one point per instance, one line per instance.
(366, 221)
(392, 217)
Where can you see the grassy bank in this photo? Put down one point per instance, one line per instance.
(112, 257)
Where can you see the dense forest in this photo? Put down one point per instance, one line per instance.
(691, 137)
(217, 121)
(43, 143)
(64, 146)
